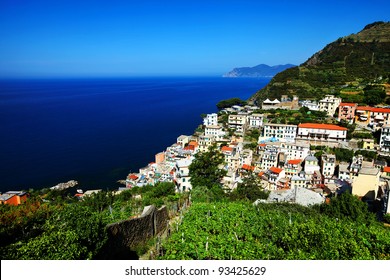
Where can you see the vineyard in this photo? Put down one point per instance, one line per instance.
(239, 230)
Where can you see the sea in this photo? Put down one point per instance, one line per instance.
(97, 130)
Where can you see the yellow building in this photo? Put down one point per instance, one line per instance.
(366, 183)
(368, 144)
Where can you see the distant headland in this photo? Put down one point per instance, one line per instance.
(259, 71)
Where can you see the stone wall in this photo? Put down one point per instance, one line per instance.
(125, 236)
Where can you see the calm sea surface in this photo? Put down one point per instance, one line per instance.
(98, 130)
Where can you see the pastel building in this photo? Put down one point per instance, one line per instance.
(211, 119)
(321, 132)
(280, 131)
(347, 112)
(13, 197)
(215, 130)
(329, 104)
(295, 150)
(372, 116)
(237, 122)
(384, 143)
(255, 120)
(182, 177)
(328, 165)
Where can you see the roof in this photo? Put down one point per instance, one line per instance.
(374, 109)
(261, 173)
(321, 126)
(189, 148)
(193, 143)
(226, 149)
(348, 104)
(248, 167)
(133, 177)
(276, 169)
(386, 169)
(311, 158)
(294, 161)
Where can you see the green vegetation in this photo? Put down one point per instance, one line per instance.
(250, 189)
(238, 231)
(62, 227)
(356, 61)
(230, 102)
(205, 169)
(304, 115)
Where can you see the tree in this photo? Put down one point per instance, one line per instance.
(205, 168)
(250, 189)
(348, 206)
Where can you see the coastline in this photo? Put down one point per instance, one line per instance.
(103, 125)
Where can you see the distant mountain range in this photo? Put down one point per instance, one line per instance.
(261, 70)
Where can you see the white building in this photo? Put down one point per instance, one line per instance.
(182, 140)
(205, 141)
(298, 181)
(255, 120)
(280, 131)
(344, 171)
(328, 165)
(329, 104)
(384, 142)
(269, 158)
(211, 119)
(215, 130)
(311, 105)
(238, 122)
(182, 178)
(321, 132)
(296, 150)
(311, 165)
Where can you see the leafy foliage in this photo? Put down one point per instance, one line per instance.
(250, 189)
(348, 206)
(272, 231)
(205, 169)
(362, 57)
(230, 102)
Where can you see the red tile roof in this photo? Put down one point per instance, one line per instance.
(386, 169)
(133, 177)
(261, 173)
(189, 148)
(294, 161)
(248, 167)
(348, 104)
(276, 169)
(373, 109)
(193, 143)
(262, 145)
(321, 126)
(226, 149)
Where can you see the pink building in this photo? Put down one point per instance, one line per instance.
(347, 111)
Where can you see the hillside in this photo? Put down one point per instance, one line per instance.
(258, 71)
(355, 59)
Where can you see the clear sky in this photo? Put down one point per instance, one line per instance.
(185, 37)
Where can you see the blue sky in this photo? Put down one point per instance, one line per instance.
(149, 38)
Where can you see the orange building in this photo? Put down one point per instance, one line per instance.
(13, 197)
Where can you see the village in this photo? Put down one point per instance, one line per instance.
(283, 156)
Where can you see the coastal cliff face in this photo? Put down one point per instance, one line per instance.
(362, 58)
(259, 71)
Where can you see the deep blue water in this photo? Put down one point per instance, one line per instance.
(98, 130)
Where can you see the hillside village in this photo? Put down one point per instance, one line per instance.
(283, 155)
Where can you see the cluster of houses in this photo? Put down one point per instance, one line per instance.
(283, 159)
